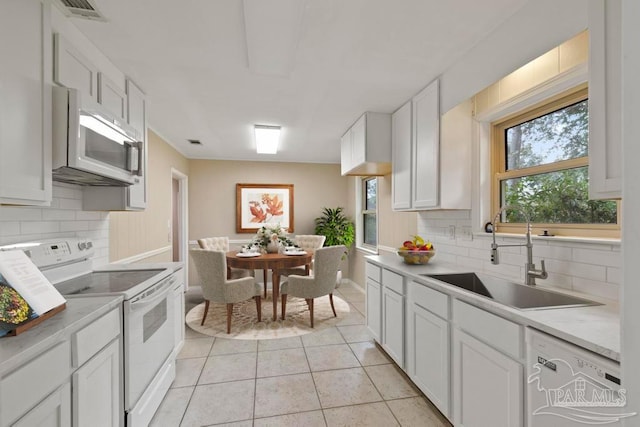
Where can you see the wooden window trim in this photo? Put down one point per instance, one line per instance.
(499, 172)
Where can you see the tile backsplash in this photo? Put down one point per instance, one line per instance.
(64, 218)
(583, 265)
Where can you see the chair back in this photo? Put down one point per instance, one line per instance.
(327, 263)
(309, 241)
(214, 243)
(211, 267)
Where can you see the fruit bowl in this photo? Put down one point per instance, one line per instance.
(416, 257)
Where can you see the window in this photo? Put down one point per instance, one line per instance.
(369, 211)
(541, 164)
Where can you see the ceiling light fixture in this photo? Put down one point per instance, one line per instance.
(267, 138)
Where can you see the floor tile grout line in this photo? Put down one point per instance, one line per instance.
(315, 387)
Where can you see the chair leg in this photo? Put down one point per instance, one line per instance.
(206, 310)
(229, 311)
(310, 302)
(284, 305)
(259, 307)
(332, 307)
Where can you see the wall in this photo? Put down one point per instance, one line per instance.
(212, 194)
(149, 231)
(64, 218)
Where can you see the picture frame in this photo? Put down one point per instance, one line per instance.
(263, 204)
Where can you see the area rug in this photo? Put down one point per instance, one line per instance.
(245, 325)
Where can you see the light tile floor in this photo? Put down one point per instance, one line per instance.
(335, 377)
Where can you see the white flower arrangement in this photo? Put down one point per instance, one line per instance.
(271, 233)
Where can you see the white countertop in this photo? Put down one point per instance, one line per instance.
(596, 328)
(79, 312)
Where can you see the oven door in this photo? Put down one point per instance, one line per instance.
(149, 337)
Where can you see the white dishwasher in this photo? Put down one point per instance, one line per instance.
(568, 386)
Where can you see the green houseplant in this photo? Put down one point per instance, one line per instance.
(337, 228)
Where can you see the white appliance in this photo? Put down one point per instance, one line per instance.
(153, 325)
(90, 146)
(569, 386)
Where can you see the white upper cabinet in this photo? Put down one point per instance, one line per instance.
(401, 157)
(25, 103)
(113, 98)
(365, 149)
(72, 69)
(431, 154)
(605, 100)
(426, 146)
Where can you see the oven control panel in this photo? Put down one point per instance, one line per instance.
(56, 251)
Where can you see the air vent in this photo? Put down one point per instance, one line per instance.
(195, 141)
(86, 9)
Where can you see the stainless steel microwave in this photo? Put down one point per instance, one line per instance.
(90, 146)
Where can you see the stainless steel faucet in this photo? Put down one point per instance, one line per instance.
(530, 268)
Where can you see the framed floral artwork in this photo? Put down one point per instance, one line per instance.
(262, 204)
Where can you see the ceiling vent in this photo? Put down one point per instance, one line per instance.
(86, 9)
(194, 141)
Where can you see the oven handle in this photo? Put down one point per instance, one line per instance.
(153, 295)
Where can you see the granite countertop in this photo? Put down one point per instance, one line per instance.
(596, 328)
(80, 312)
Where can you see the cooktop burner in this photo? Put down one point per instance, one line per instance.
(105, 282)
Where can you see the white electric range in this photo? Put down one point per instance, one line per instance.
(153, 313)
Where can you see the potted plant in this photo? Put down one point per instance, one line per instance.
(337, 228)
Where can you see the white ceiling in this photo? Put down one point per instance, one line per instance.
(206, 76)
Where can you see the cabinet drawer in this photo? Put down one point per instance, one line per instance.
(430, 299)
(393, 281)
(373, 272)
(94, 337)
(499, 333)
(32, 382)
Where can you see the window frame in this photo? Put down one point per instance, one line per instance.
(499, 172)
(364, 212)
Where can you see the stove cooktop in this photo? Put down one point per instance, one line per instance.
(106, 282)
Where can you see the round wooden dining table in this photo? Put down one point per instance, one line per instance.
(273, 262)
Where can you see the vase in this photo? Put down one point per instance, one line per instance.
(273, 248)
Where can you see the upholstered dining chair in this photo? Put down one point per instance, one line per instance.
(222, 244)
(321, 282)
(306, 242)
(212, 270)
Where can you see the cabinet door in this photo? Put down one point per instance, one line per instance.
(345, 153)
(96, 390)
(487, 385)
(401, 158)
(53, 411)
(605, 100)
(72, 69)
(25, 102)
(393, 325)
(426, 146)
(374, 308)
(428, 355)
(359, 142)
(112, 97)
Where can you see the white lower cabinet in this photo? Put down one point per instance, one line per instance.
(53, 411)
(393, 325)
(428, 347)
(487, 385)
(374, 308)
(96, 389)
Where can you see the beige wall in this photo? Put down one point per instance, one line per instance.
(212, 193)
(134, 233)
(393, 227)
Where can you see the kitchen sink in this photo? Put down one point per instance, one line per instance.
(509, 293)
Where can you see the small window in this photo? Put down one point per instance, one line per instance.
(541, 162)
(369, 212)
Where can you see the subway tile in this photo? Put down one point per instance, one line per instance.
(614, 275)
(73, 204)
(58, 215)
(598, 257)
(9, 228)
(594, 287)
(66, 192)
(88, 215)
(587, 271)
(74, 225)
(18, 213)
(39, 227)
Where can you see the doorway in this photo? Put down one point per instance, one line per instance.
(179, 223)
